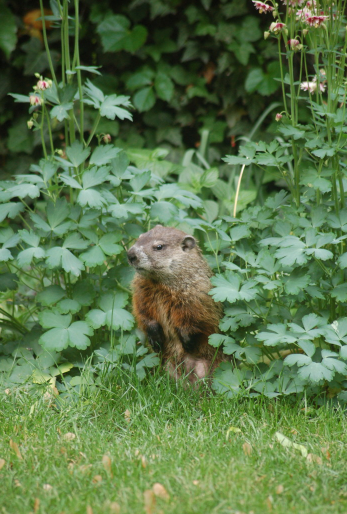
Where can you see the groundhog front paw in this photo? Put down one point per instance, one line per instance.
(156, 336)
(190, 342)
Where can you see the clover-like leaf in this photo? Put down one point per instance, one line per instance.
(228, 287)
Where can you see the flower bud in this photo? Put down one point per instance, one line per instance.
(30, 124)
(107, 138)
(278, 116)
(43, 84)
(266, 35)
(305, 32)
(35, 100)
(37, 75)
(60, 152)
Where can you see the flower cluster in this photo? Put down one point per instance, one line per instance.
(262, 7)
(276, 27)
(312, 86)
(309, 17)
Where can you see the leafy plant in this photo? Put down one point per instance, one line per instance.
(284, 279)
(64, 228)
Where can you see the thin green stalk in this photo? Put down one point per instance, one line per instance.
(41, 131)
(45, 40)
(96, 123)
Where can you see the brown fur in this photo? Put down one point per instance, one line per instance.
(171, 302)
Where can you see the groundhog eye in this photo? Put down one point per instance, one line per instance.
(159, 247)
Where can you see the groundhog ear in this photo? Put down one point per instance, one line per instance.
(188, 243)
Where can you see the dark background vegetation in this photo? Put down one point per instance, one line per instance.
(187, 66)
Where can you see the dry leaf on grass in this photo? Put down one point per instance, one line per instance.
(97, 479)
(279, 489)
(311, 457)
(195, 482)
(17, 483)
(127, 415)
(47, 487)
(85, 468)
(160, 491)
(69, 436)
(2, 463)
(287, 443)
(149, 500)
(143, 461)
(14, 447)
(106, 462)
(247, 448)
(36, 504)
(114, 508)
(89, 510)
(269, 502)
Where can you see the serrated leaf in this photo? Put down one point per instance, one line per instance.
(77, 153)
(10, 210)
(104, 154)
(139, 181)
(61, 112)
(91, 198)
(110, 107)
(277, 335)
(25, 257)
(23, 190)
(227, 287)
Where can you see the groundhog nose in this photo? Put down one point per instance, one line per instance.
(132, 258)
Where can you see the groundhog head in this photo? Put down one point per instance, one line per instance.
(163, 252)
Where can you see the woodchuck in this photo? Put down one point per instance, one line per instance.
(171, 302)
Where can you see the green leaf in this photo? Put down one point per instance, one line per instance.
(163, 211)
(340, 293)
(164, 86)
(8, 30)
(227, 287)
(116, 35)
(227, 380)
(5, 255)
(68, 306)
(139, 181)
(77, 153)
(61, 112)
(84, 293)
(57, 339)
(8, 282)
(96, 318)
(93, 257)
(50, 295)
(62, 257)
(108, 244)
(110, 107)
(278, 335)
(104, 154)
(254, 79)
(91, 198)
(10, 210)
(23, 190)
(315, 373)
(51, 319)
(296, 282)
(25, 257)
(144, 99)
(239, 232)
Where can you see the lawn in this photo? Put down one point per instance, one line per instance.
(105, 452)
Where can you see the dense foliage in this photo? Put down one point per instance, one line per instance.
(66, 220)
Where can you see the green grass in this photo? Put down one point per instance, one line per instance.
(178, 438)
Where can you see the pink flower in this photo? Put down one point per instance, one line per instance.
(43, 84)
(35, 100)
(312, 86)
(278, 116)
(277, 27)
(294, 44)
(262, 7)
(107, 138)
(293, 3)
(303, 14)
(315, 21)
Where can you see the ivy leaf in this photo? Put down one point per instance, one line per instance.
(116, 34)
(227, 287)
(164, 86)
(144, 99)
